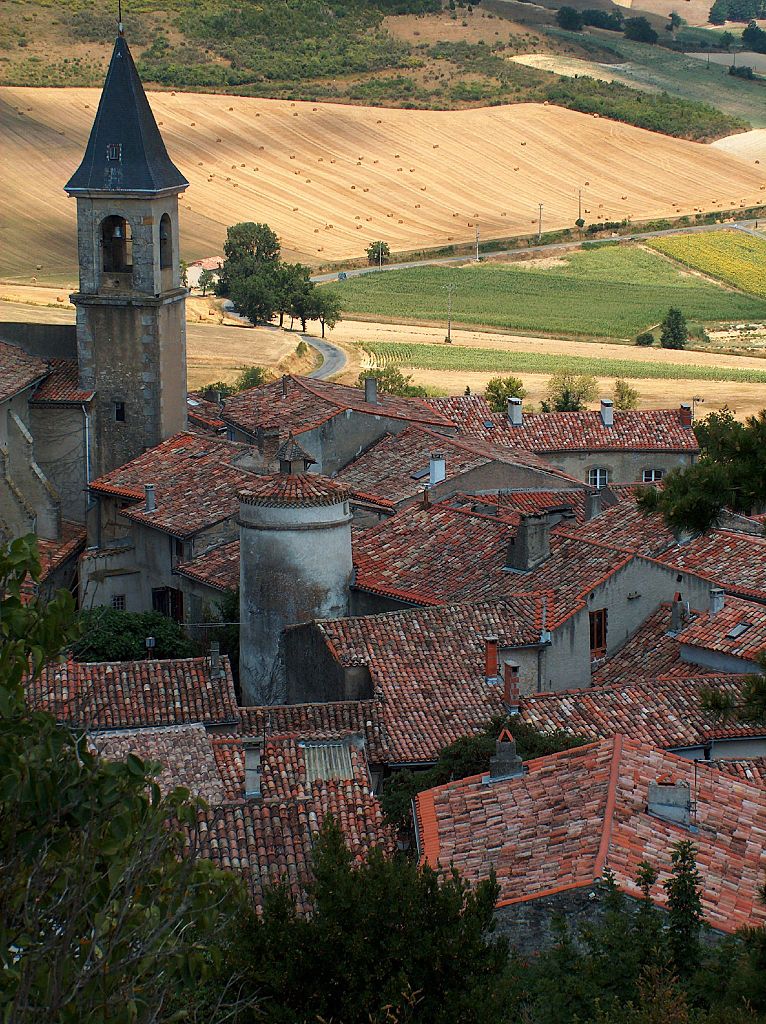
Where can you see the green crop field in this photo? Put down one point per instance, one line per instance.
(732, 256)
(487, 360)
(612, 292)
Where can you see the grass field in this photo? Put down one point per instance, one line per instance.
(331, 178)
(731, 256)
(616, 291)
(455, 357)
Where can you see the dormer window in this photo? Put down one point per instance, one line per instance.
(114, 152)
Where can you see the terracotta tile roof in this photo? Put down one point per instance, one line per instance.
(204, 415)
(625, 528)
(62, 385)
(739, 629)
(427, 667)
(293, 490)
(574, 814)
(734, 561)
(18, 370)
(217, 568)
(444, 554)
(55, 553)
(396, 467)
(665, 712)
(321, 721)
(640, 430)
(184, 751)
(652, 651)
(132, 694)
(752, 770)
(196, 479)
(290, 451)
(535, 502)
(296, 404)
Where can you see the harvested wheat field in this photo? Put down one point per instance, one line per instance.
(331, 178)
(750, 146)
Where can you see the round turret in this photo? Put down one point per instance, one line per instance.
(295, 565)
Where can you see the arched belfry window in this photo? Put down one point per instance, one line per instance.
(116, 245)
(166, 243)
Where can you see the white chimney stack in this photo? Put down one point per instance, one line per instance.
(437, 470)
(607, 412)
(716, 600)
(151, 503)
(371, 390)
(515, 412)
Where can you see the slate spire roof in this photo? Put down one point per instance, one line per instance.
(125, 151)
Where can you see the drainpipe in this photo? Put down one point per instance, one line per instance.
(86, 422)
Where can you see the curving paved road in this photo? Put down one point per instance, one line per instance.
(333, 358)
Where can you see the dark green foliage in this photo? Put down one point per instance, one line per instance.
(249, 249)
(569, 392)
(742, 71)
(206, 281)
(645, 339)
(388, 941)
(469, 755)
(613, 21)
(378, 253)
(691, 498)
(719, 12)
(570, 19)
(685, 919)
(737, 10)
(255, 297)
(639, 30)
(673, 330)
(109, 635)
(101, 917)
(754, 38)
(249, 377)
(391, 381)
(500, 389)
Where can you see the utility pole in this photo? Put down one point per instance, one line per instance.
(477, 242)
(380, 255)
(449, 289)
(540, 223)
(579, 204)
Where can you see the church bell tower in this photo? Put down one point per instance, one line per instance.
(131, 327)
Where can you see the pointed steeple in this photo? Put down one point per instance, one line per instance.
(125, 152)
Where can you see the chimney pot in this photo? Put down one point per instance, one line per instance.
(151, 503)
(490, 659)
(371, 390)
(685, 415)
(676, 614)
(511, 688)
(607, 412)
(717, 599)
(670, 800)
(437, 470)
(515, 412)
(506, 763)
(284, 385)
(252, 752)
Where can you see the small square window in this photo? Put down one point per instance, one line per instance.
(114, 151)
(119, 412)
(118, 602)
(650, 476)
(598, 477)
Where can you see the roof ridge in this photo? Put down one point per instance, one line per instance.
(609, 810)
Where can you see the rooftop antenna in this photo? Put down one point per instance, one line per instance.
(120, 26)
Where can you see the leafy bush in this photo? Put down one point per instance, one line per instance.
(500, 389)
(570, 19)
(392, 382)
(109, 635)
(645, 339)
(639, 30)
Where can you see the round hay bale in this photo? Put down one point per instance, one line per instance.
(59, 298)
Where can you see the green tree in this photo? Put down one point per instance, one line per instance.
(106, 634)
(625, 397)
(569, 392)
(685, 920)
(288, 280)
(639, 30)
(690, 499)
(500, 389)
(675, 21)
(248, 250)
(378, 253)
(645, 339)
(727, 40)
(387, 941)
(673, 330)
(719, 12)
(254, 297)
(104, 915)
(206, 281)
(327, 308)
(391, 381)
(569, 18)
(248, 377)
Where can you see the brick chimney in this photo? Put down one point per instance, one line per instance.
(592, 504)
(490, 659)
(506, 763)
(685, 415)
(670, 800)
(531, 545)
(150, 504)
(252, 754)
(515, 412)
(371, 390)
(511, 688)
(607, 412)
(717, 598)
(437, 469)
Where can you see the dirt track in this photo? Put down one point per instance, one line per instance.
(331, 178)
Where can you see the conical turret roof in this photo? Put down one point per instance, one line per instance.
(125, 151)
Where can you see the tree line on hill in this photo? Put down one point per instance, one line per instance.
(108, 913)
(262, 286)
